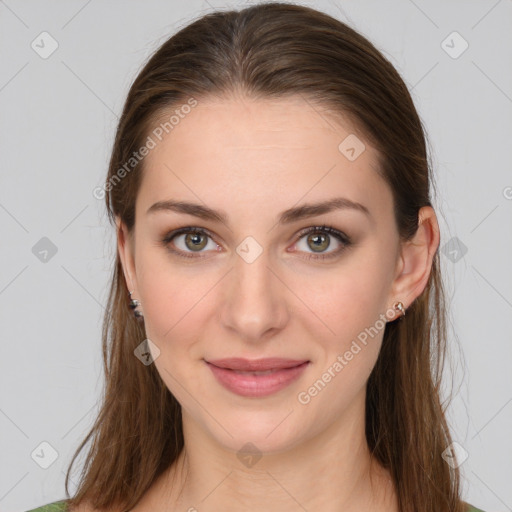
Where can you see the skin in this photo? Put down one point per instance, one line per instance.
(254, 159)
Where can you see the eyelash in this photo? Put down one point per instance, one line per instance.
(341, 237)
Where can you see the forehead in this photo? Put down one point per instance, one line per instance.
(261, 154)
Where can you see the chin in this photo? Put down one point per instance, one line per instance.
(270, 432)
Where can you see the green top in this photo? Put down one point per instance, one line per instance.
(61, 506)
(56, 506)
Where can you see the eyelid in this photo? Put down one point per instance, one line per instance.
(325, 229)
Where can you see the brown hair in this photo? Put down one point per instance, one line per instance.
(274, 50)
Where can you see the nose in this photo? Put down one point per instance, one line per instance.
(254, 305)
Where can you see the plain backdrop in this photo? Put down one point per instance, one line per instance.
(58, 115)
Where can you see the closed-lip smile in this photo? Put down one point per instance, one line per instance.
(256, 377)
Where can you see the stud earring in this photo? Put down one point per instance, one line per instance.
(399, 307)
(134, 304)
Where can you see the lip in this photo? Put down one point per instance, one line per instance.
(248, 365)
(279, 373)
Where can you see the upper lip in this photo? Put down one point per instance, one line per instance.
(271, 363)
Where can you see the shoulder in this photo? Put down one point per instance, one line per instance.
(471, 508)
(56, 506)
(63, 506)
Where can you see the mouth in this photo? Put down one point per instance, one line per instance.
(256, 378)
(268, 364)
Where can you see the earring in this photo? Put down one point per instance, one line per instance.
(399, 307)
(134, 304)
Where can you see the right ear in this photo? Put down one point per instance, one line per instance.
(125, 249)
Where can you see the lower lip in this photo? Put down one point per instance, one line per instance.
(257, 385)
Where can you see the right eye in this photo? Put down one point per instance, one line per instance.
(190, 240)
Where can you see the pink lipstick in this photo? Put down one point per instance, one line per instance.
(257, 377)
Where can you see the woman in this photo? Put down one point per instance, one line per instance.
(275, 331)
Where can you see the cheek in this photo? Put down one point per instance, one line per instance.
(172, 305)
(178, 301)
(174, 319)
(168, 292)
(346, 332)
(346, 299)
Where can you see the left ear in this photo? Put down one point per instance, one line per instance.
(415, 261)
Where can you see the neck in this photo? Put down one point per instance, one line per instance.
(330, 471)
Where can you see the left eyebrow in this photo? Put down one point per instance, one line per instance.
(311, 210)
(287, 217)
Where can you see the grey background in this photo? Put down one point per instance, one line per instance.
(57, 122)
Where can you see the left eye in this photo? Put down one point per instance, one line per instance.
(320, 238)
(196, 239)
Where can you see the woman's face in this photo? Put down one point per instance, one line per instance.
(255, 285)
